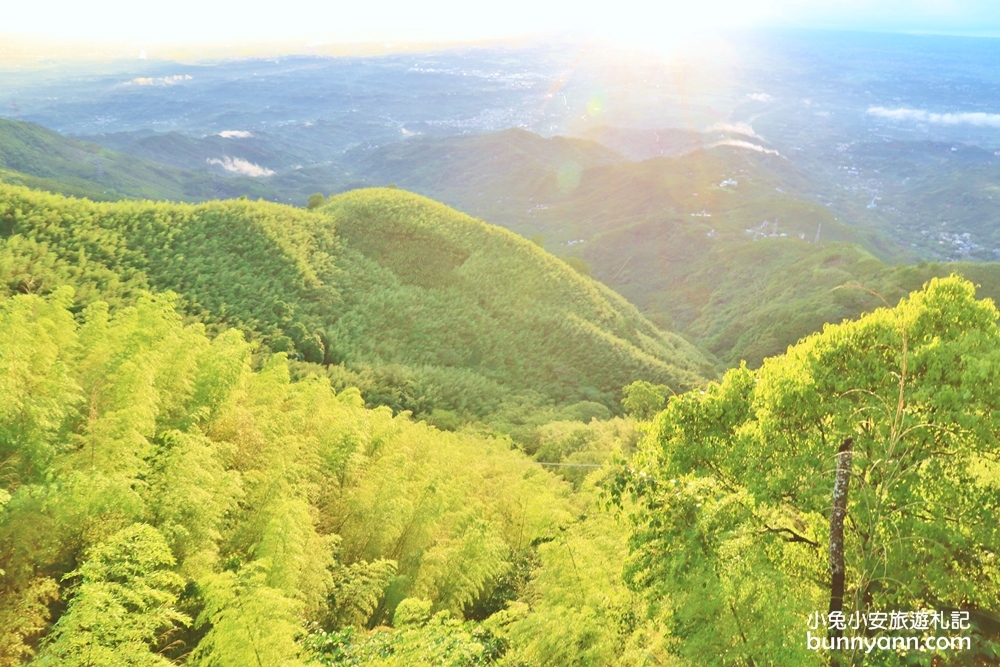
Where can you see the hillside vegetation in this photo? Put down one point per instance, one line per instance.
(751, 300)
(730, 496)
(162, 503)
(421, 306)
(37, 157)
(206, 456)
(717, 244)
(173, 492)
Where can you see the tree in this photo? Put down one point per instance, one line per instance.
(643, 400)
(315, 201)
(733, 511)
(123, 604)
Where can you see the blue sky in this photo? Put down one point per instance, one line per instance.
(639, 22)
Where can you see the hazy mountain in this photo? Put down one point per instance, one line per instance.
(38, 157)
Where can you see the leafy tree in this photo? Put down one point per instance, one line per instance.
(643, 400)
(250, 622)
(732, 522)
(579, 265)
(123, 604)
(191, 486)
(23, 616)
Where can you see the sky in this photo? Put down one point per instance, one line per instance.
(641, 23)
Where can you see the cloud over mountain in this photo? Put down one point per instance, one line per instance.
(240, 166)
(978, 118)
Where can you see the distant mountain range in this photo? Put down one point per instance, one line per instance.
(723, 243)
(37, 157)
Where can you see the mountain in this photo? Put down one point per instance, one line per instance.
(642, 144)
(723, 245)
(570, 190)
(498, 175)
(199, 153)
(34, 156)
(423, 307)
(153, 477)
(752, 300)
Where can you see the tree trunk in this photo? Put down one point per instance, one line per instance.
(837, 516)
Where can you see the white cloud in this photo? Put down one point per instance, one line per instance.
(161, 81)
(735, 128)
(760, 97)
(240, 166)
(978, 118)
(235, 134)
(736, 143)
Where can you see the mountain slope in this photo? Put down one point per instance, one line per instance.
(425, 307)
(519, 308)
(34, 156)
(642, 144)
(497, 175)
(752, 300)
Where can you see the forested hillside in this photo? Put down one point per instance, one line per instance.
(723, 245)
(422, 307)
(718, 244)
(502, 177)
(175, 489)
(751, 300)
(37, 157)
(730, 496)
(501, 355)
(163, 503)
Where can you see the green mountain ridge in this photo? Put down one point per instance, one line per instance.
(35, 156)
(426, 307)
(716, 244)
(751, 301)
(476, 172)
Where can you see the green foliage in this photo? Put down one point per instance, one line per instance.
(733, 489)
(188, 486)
(643, 400)
(482, 298)
(748, 300)
(577, 609)
(24, 614)
(125, 599)
(412, 611)
(36, 157)
(579, 449)
(170, 492)
(483, 318)
(250, 622)
(578, 265)
(424, 641)
(357, 592)
(315, 201)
